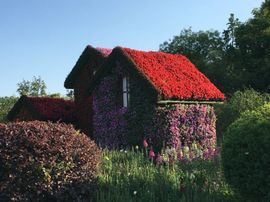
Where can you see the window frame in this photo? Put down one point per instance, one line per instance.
(125, 91)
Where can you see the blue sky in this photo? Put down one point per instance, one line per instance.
(45, 38)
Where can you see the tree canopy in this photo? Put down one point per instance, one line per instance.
(36, 87)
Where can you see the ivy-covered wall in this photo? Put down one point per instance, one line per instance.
(172, 125)
(83, 101)
(79, 79)
(115, 125)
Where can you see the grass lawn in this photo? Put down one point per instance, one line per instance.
(132, 176)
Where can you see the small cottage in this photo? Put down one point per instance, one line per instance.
(78, 79)
(158, 96)
(43, 109)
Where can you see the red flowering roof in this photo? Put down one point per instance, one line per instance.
(47, 109)
(174, 75)
(54, 108)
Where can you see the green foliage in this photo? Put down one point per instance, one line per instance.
(253, 44)
(36, 87)
(70, 94)
(55, 95)
(130, 176)
(246, 156)
(42, 161)
(229, 33)
(239, 102)
(6, 103)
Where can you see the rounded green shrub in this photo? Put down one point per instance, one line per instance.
(246, 154)
(233, 107)
(43, 161)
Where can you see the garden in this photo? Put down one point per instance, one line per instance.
(55, 161)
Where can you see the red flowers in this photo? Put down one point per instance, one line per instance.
(151, 153)
(174, 75)
(145, 144)
(53, 109)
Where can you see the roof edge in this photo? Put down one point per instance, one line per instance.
(133, 63)
(15, 109)
(81, 62)
(117, 51)
(190, 102)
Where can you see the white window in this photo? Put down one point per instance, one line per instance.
(126, 95)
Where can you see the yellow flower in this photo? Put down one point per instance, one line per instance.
(186, 149)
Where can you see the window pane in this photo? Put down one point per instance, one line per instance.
(125, 99)
(125, 84)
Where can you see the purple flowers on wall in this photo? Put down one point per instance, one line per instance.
(109, 120)
(181, 125)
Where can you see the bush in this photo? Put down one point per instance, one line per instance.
(246, 156)
(239, 102)
(43, 161)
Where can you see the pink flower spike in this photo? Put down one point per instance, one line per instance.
(159, 159)
(145, 144)
(151, 153)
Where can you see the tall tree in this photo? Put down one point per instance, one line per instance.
(36, 87)
(253, 42)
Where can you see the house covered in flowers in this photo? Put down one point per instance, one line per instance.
(136, 95)
(43, 109)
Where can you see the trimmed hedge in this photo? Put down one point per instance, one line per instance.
(246, 154)
(43, 161)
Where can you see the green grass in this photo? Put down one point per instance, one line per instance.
(130, 176)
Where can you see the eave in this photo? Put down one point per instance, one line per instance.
(208, 102)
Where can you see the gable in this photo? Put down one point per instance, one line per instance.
(90, 57)
(22, 107)
(117, 55)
